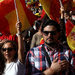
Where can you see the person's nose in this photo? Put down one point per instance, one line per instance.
(7, 50)
(49, 34)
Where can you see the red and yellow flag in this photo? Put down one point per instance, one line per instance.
(70, 33)
(52, 7)
(8, 16)
(41, 41)
(73, 5)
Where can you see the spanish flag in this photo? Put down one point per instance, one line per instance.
(52, 7)
(8, 16)
(70, 34)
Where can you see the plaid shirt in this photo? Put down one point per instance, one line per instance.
(36, 61)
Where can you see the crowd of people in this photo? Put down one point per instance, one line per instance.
(23, 54)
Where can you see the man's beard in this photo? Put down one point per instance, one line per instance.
(49, 42)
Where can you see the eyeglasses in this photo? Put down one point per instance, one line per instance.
(9, 49)
(51, 32)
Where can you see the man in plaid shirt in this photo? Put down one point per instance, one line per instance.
(51, 58)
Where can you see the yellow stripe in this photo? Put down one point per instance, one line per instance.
(73, 3)
(1, 0)
(22, 16)
(11, 17)
(71, 39)
(31, 0)
(46, 6)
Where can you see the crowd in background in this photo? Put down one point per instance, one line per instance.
(26, 56)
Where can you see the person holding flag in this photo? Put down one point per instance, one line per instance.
(14, 57)
(67, 28)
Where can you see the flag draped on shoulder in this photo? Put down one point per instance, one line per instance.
(52, 7)
(70, 34)
(8, 16)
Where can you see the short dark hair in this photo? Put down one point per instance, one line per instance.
(51, 23)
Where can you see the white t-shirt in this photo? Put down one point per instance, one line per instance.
(14, 68)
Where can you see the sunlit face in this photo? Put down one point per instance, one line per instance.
(50, 35)
(8, 51)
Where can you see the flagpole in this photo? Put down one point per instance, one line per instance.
(68, 70)
(60, 3)
(16, 11)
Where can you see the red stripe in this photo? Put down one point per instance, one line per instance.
(4, 26)
(6, 7)
(54, 10)
(69, 27)
(73, 52)
(40, 55)
(66, 1)
(29, 14)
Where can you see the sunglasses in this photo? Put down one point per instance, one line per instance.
(9, 49)
(51, 32)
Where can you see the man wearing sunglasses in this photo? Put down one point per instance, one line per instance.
(50, 58)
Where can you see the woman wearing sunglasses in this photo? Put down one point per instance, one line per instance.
(14, 56)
